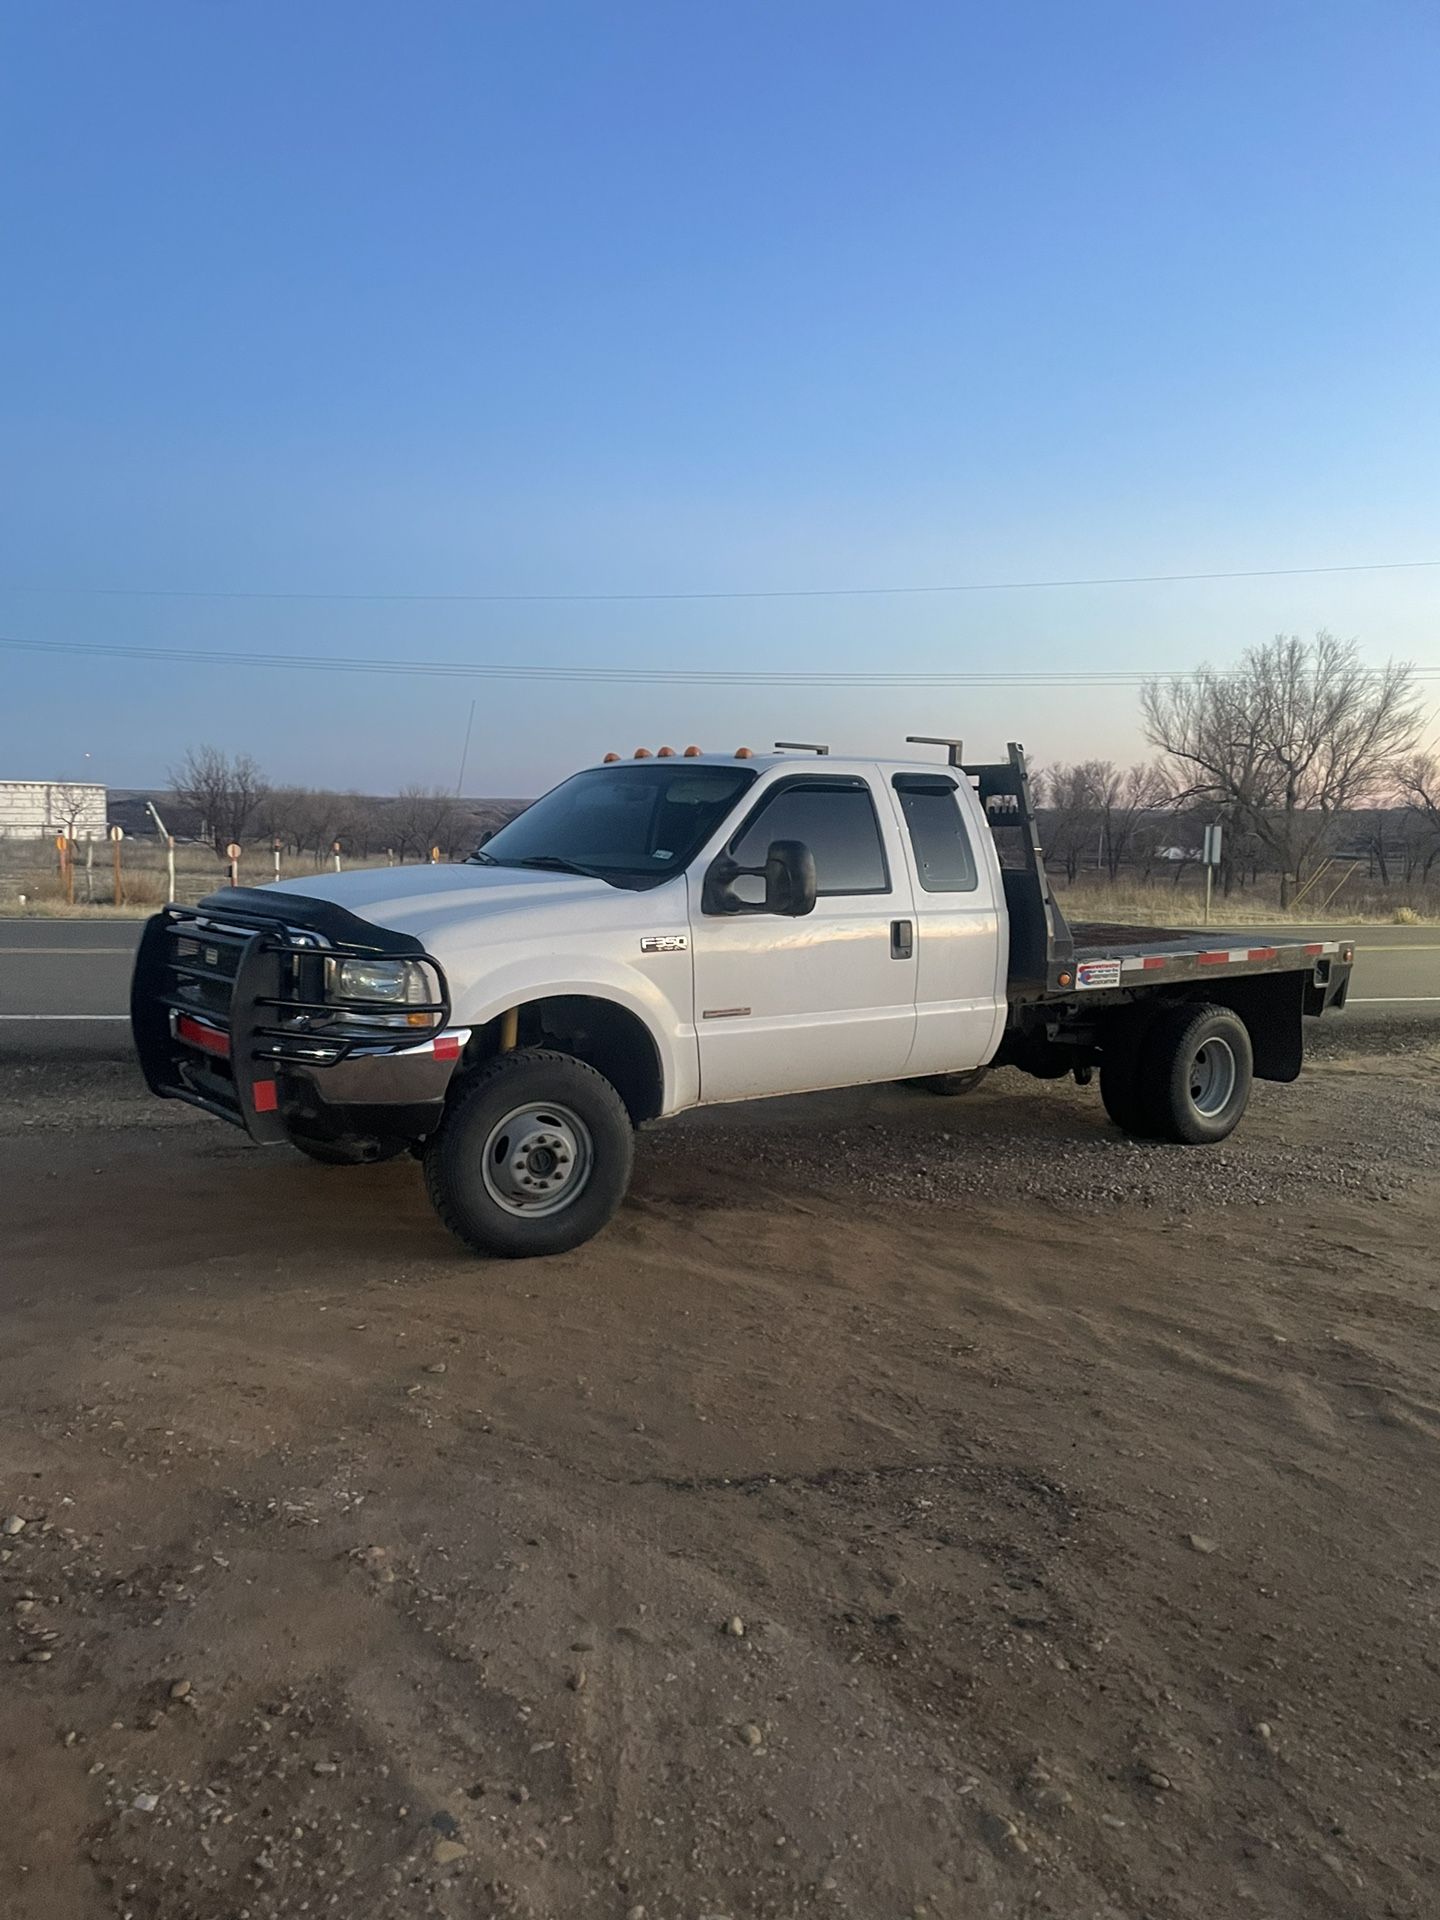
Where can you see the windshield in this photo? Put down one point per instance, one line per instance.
(631, 825)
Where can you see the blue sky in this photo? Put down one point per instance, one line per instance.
(646, 298)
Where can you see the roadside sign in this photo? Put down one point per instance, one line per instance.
(61, 843)
(1211, 858)
(117, 833)
(234, 850)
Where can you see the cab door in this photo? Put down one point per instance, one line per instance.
(825, 1000)
(961, 930)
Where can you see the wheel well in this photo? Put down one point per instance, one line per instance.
(604, 1035)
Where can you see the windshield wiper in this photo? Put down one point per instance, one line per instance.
(556, 863)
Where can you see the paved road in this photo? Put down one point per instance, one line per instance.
(64, 984)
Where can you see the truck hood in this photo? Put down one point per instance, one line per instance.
(431, 902)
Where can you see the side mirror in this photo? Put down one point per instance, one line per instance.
(788, 875)
(789, 879)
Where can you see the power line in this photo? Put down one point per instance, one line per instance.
(753, 593)
(619, 676)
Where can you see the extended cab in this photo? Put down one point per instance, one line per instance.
(680, 930)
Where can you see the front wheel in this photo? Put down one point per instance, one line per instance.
(533, 1156)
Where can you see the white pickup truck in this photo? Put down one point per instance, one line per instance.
(679, 930)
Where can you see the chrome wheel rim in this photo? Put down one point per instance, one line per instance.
(537, 1160)
(1212, 1077)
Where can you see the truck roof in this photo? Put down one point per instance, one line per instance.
(817, 762)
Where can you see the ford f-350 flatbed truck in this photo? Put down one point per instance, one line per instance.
(681, 930)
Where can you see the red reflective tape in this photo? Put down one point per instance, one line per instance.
(1153, 960)
(1320, 948)
(447, 1047)
(1214, 959)
(208, 1039)
(1263, 953)
(265, 1096)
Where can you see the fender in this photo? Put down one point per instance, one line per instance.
(592, 977)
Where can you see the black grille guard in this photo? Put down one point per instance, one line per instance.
(253, 937)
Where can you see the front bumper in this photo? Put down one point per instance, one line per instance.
(221, 1020)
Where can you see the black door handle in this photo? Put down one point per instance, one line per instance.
(902, 939)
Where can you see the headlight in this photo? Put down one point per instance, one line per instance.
(401, 981)
(396, 983)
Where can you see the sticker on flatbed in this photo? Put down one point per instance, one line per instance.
(1097, 973)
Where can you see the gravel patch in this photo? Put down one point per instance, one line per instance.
(1016, 1142)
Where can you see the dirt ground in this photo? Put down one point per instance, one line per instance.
(907, 1508)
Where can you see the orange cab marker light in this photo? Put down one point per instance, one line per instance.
(692, 753)
(643, 753)
(1064, 979)
(744, 753)
(609, 759)
(666, 753)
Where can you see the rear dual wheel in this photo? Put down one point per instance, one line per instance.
(1184, 1075)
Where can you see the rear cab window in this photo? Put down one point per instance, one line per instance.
(944, 858)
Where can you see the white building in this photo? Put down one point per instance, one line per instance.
(35, 809)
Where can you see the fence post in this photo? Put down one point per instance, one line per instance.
(232, 854)
(117, 834)
(170, 866)
(275, 849)
(335, 849)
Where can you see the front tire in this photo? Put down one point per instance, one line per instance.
(533, 1156)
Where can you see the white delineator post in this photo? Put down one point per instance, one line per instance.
(169, 840)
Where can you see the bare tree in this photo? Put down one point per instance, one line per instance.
(1071, 797)
(70, 803)
(1129, 800)
(422, 818)
(1300, 732)
(225, 793)
(1419, 782)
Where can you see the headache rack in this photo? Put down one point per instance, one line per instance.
(227, 994)
(1040, 938)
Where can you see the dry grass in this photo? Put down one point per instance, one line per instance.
(32, 872)
(1165, 905)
